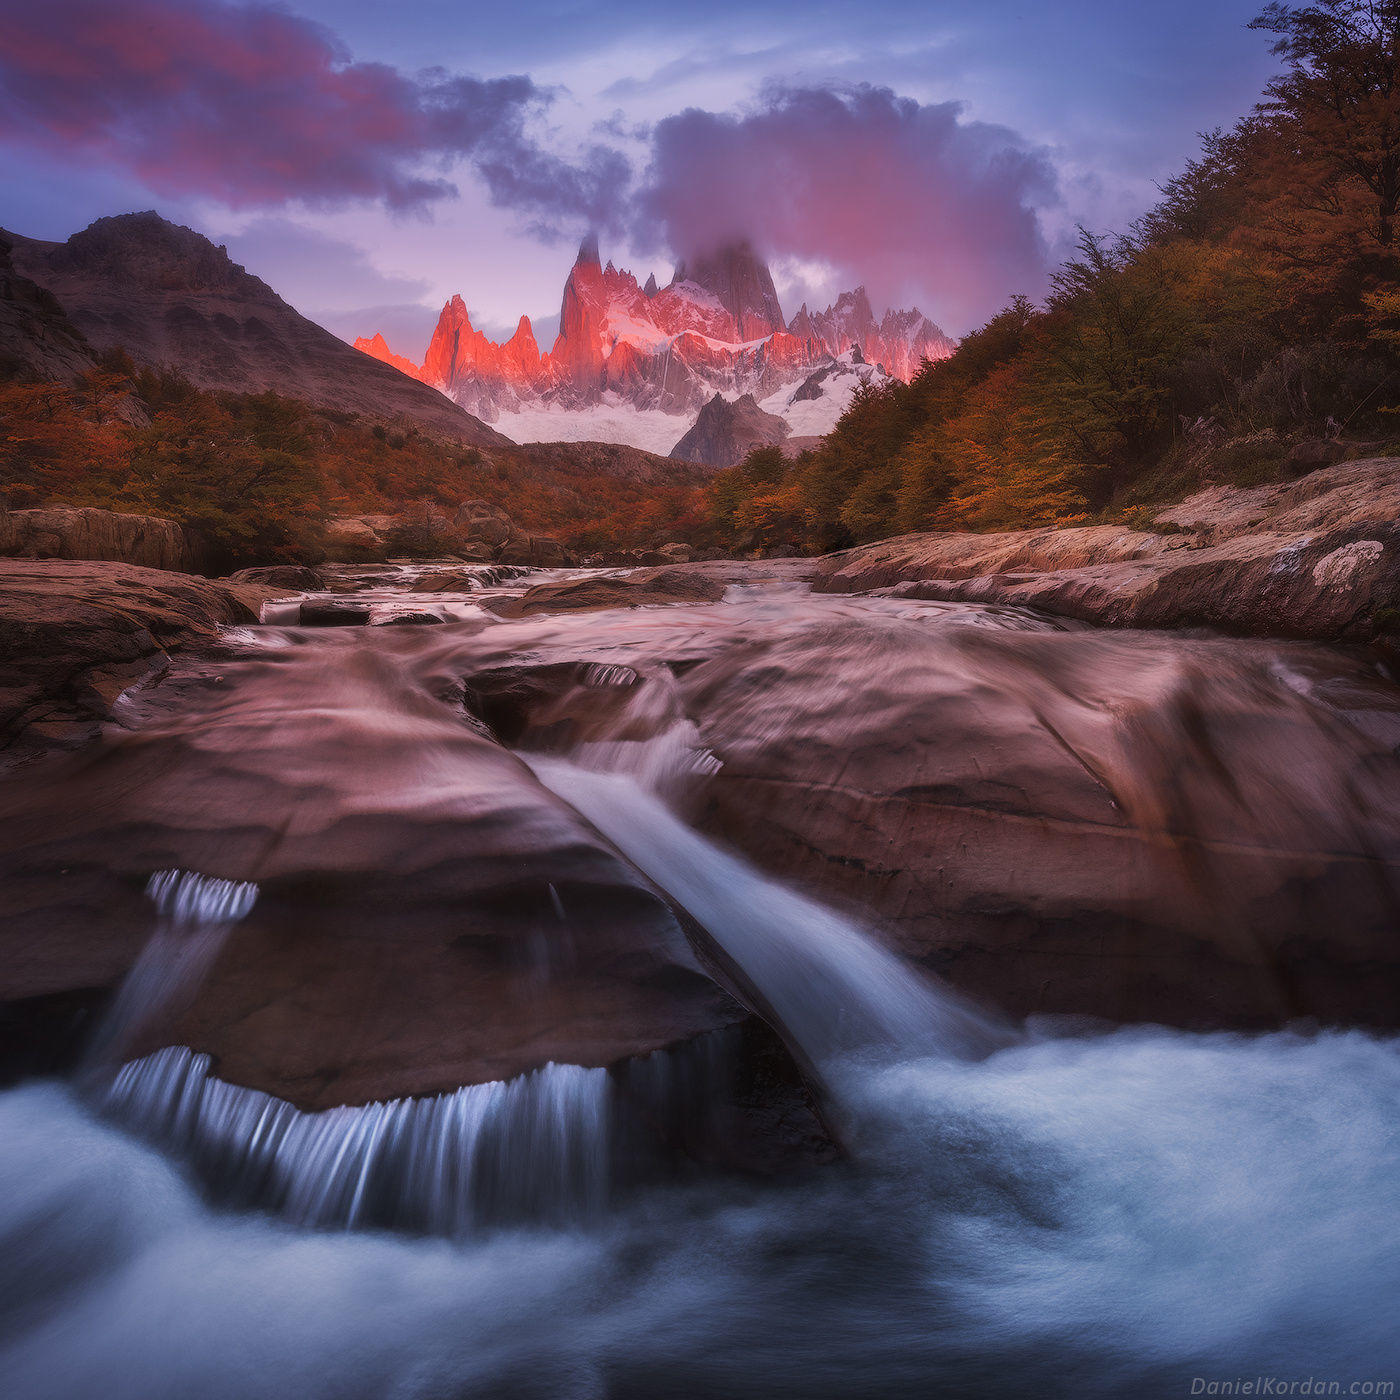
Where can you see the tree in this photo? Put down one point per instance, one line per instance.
(1327, 167)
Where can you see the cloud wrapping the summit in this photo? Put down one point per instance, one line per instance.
(253, 106)
(919, 203)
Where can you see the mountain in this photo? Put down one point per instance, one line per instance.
(37, 340)
(898, 343)
(170, 297)
(717, 328)
(726, 431)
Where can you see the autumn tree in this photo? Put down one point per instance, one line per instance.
(1326, 167)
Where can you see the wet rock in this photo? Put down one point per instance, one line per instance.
(644, 587)
(333, 615)
(74, 635)
(453, 580)
(419, 619)
(296, 577)
(1126, 825)
(429, 915)
(66, 532)
(536, 551)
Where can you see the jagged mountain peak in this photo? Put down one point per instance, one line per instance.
(588, 252)
(740, 279)
(716, 327)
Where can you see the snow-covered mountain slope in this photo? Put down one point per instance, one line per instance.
(613, 420)
(812, 408)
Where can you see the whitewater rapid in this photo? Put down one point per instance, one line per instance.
(1107, 1216)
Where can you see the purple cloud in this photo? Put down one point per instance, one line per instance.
(252, 106)
(907, 197)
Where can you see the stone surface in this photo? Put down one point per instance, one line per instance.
(1119, 824)
(322, 614)
(642, 587)
(1329, 585)
(73, 635)
(536, 551)
(429, 915)
(1349, 494)
(296, 577)
(70, 532)
(1318, 557)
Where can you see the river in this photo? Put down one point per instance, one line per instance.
(1003, 1206)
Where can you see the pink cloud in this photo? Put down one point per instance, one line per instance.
(247, 105)
(909, 197)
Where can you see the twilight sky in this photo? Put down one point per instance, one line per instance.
(370, 159)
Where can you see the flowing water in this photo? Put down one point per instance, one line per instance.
(1127, 1212)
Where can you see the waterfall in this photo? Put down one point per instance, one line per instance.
(536, 1147)
(832, 988)
(194, 914)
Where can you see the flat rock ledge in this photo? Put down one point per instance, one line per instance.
(75, 633)
(1317, 558)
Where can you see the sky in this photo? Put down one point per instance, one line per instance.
(370, 159)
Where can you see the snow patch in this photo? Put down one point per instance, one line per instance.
(647, 428)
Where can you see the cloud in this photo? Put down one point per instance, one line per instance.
(254, 107)
(326, 271)
(912, 199)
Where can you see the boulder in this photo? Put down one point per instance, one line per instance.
(1311, 454)
(67, 532)
(74, 635)
(484, 522)
(537, 551)
(419, 926)
(644, 587)
(296, 577)
(412, 619)
(676, 553)
(474, 551)
(1127, 825)
(323, 614)
(350, 540)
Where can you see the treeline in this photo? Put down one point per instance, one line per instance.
(259, 475)
(1254, 311)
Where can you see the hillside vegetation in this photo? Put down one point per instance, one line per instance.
(1247, 328)
(258, 474)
